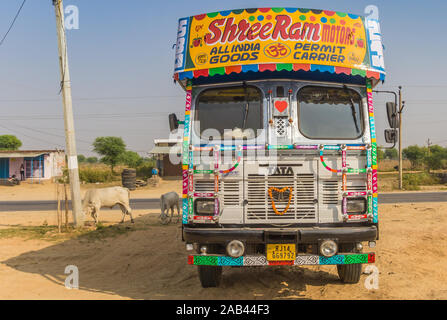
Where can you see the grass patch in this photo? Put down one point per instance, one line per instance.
(413, 181)
(50, 233)
(103, 232)
(32, 232)
(93, 175)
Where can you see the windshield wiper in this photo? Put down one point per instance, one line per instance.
(247, 106)
(354, 113)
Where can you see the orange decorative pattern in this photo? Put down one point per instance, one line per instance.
(271, 189)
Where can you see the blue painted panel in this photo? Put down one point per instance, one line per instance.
(4, 168)
(229, 261)
(339, 259)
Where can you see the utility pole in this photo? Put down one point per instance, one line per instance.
(400, 137)
(428, 146)
(70, 141)
(401, 107)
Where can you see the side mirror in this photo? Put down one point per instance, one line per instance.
(173, 122)
(390, 136)
(392, 114)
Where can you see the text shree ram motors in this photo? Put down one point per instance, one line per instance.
(225, 31)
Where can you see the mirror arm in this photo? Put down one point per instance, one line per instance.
(394, 144)
(395, 102)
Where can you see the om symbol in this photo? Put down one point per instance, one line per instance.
(277, 50)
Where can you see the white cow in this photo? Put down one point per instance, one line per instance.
(168, 201)
(95, 199)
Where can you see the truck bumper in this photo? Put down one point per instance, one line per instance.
(292, 235)
(261, 260)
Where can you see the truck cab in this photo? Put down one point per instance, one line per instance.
(279, 151)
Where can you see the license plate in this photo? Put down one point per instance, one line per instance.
(281, 252)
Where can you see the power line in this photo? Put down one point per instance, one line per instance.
(12, 23)
(40, 139)
(428, 101)
(49, 133)
(417, 85)
(31, 137)
(87, 116)
(95, 98)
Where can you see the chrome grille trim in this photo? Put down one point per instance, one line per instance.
(302, 207)
(331, 194)
(230, 190)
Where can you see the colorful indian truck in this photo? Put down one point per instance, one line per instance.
(279, 151)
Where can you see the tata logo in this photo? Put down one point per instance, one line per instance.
(280, 171)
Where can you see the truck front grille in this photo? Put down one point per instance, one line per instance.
(229, 189)
(302, 207)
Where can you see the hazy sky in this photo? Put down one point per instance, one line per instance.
(121, 61)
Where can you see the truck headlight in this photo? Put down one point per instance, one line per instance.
(356, 205)
(204, 207)
(235, 248)
(328, 248)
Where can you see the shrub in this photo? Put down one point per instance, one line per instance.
(412, 181)
(145, 170)
(415, 154)
(131, 159)
(93, 175)
(92, 160)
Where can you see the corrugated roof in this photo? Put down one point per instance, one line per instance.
(25, 153)
(166, 150)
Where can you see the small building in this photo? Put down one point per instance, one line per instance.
(167, 152)
(38, 164)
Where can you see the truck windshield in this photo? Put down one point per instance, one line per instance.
(330, 113)
(232, 112)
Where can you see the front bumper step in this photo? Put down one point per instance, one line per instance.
(261, 260)
(296, 235)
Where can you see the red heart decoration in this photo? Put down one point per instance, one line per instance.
(281, 105)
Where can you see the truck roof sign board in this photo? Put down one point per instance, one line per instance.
(277, 39)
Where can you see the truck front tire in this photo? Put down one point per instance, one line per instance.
(349, 273)
(210, 276)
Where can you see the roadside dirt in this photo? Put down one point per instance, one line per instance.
(148, 261)
(47, 190)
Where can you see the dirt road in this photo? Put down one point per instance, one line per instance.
(148, 261)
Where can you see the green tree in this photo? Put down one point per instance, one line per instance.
(92, 160)
(380, 154)
(433, 162)
(9, 142)
(434, 157)
(391, 154)
(110, 148)
(81, 158)
(415, 154)
(130, 159)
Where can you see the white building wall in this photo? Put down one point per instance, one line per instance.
(53, 163)
(14, 166)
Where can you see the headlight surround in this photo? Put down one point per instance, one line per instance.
(328, 248)
(235, 248)
(356, 205)
(204, 207)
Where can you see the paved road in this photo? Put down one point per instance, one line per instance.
(151, 203)
(399, 197)
(46, 205)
